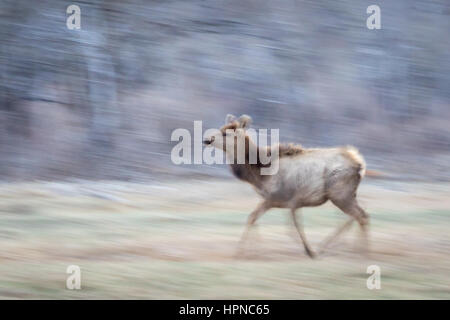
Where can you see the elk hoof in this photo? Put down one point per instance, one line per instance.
(310, 253)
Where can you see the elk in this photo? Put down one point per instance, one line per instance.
(306, 177)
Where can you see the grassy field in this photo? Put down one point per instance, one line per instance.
(177, 241)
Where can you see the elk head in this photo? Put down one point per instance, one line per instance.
(228, 135)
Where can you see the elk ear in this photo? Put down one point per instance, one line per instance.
(229, 118)
(245, 121)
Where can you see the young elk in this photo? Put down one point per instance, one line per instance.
(305, 177)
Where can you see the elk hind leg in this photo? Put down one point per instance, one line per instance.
(363, 220)
(353, 209)
(344, 227)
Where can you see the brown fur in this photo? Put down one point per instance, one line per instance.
(290, 149)
(306, 177)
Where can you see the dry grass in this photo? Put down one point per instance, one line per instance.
(177, 241)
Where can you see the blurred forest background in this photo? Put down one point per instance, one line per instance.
(101, 102)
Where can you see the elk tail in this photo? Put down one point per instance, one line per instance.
(374, 174)
(358, 159)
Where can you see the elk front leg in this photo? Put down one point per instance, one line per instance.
(258, 212)
(299, 228)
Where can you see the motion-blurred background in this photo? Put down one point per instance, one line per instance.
(101, 102)
(86, 118)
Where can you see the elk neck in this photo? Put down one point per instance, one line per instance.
(249, 172)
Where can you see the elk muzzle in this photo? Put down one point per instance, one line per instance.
(209, 141)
